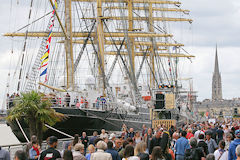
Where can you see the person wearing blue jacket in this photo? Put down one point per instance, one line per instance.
(181, 146)
(113, 152)
(233, 145)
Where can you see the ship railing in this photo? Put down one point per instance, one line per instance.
(61, 102)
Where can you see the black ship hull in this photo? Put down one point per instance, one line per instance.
(79, 120)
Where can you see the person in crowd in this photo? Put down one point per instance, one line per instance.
(189, 134)
(98, 102)
(220, 134)
(34, 152)
(233, 145)
(195, 152)
(67, 155)
(29, 145)
(212, 145)
(97, 140)
(140, 151)
(86, 103)
(181, 146)
(121, 152)
(232, 132)
(118, 145)
(203, 144)
(102, 102)
(67, 100)
(67, 146)
(100, 154)
(20, 155)
(91, 149)
(103, 134)
(144, 130)
(112, 137)
(171, 130)
(4, 155)
(113, 152)
(210, 157)
(213, 131)
(51, 153)
(198, 132)
(238, 152)
(226, 130)
(82, 102)
(131, 133)
(228, 140)
(137, 138)
(175, 137)
(124, 133)
(156, 141)
(75, 140)
(130, 141)
(147, 138)
(76, 101)
(78, 153)
(221, 153)
(129, 153)
(165, 146)
(157, 153)
(105, 140)
(92, 139)
(84, 140)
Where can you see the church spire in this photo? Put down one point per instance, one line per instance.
(216, 67)
(216, 81)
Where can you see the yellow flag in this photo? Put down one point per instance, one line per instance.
(56, 6)
(45, 60)
(45, 55)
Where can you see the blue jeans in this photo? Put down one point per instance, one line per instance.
(179, 157)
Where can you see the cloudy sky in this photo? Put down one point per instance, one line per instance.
(215, 21)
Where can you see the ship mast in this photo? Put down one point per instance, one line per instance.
(134, 38)
(68, 44)
(100, 36)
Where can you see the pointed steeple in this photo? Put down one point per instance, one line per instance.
(216, 81)
(216, 67)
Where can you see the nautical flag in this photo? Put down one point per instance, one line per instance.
(44, 61)
(43, 65)
(55, 5)
(44, 72)
(45, 56)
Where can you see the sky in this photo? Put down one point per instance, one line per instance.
(214, 22)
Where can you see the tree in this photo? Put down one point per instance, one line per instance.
(35, 110)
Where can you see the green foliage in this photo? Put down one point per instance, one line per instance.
(35, 110)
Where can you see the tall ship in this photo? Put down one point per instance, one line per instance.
(103, 63)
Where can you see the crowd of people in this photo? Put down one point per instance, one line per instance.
(196, 141)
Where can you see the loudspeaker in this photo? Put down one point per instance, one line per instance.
(160, 101)
(235, 111)
(165, 115)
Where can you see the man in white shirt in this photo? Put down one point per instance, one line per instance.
(103, 135)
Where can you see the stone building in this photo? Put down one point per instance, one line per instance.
(217, 106)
